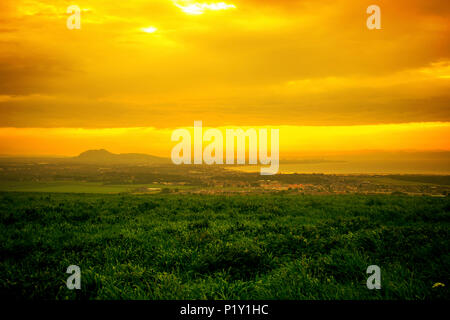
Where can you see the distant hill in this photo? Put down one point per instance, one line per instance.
(106, 157)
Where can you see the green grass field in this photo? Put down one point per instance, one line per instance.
(76, 187)
(223, 247)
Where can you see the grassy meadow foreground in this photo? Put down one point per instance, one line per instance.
(270, 246)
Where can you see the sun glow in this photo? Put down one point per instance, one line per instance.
(149, 30)
(311, 68)
(195, 8)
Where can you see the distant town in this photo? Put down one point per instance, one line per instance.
(99, 171)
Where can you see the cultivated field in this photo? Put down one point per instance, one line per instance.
(79, 187)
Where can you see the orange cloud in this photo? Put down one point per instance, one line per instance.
(280, 63)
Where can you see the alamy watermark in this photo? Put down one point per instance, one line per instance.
(374, 281)
(374, 20)
(74, 280)
(74, 20)
(213, 152)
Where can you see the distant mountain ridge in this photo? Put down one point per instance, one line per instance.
(104, 156)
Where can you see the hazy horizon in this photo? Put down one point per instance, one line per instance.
(363, 162)
(306, 155)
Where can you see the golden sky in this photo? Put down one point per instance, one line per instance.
(138, 69)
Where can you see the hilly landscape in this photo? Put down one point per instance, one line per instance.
(103, 156)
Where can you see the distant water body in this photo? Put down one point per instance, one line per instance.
(361, 166)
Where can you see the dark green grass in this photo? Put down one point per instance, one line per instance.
(223, 247)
